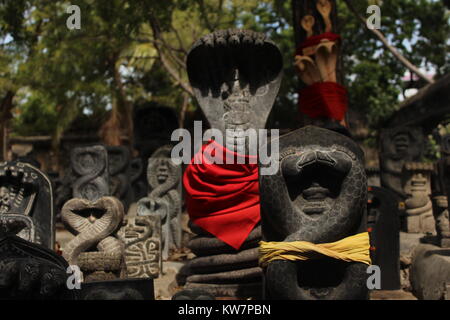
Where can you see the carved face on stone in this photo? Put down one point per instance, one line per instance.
(235, 75)
(417, 178)
(160, 167)
(318, 195)
(398, 145)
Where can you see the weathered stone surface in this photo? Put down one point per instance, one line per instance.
(94, 224)
(236, 75)
(28, 270)
(244, 275)
(398, 146)
(383, 221)
(319, 194)
(142, 238)
(225, 262)
(416, 183)
(164, 198)
(430, 272)
(122, 289)
(90, 170)
(25, 190)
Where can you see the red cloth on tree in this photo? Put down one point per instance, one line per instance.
(315, 40)
(324, 99)
(222, 199)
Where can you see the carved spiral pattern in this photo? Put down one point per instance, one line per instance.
(91, 185)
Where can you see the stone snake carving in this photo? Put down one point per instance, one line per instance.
(319, 195)
(90, 164)
(93, 223)
(164, 198)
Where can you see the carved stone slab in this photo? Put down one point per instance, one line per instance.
(142, 238)
(25, 190)
(90, 170)
(236, 75)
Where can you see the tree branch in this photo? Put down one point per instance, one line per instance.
(166, 64)
(392, 49)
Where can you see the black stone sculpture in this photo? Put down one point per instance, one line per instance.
(383, 222)
(28, 270)
(25, 190)
(440, 181)
(122, 289)
(398, 146)
(319, 195)
(235, 75)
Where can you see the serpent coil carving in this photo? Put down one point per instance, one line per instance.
(164, 200)
(90, 164)
(93, 223)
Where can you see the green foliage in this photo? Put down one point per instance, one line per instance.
(417, 29)
(60, 74)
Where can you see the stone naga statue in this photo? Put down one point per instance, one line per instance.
(235, 75)
(164, 198)
(94, 224)
(26, 194)
(318, 195)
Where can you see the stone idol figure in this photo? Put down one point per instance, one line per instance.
(236, 76)
(398, 146)
(313, 219)
(164, 198)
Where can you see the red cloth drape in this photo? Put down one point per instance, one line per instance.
(222, 199)
(324, 99)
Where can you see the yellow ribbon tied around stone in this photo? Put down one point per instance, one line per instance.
(351, 249)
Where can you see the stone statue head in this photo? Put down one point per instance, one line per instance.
(160, 167)
(319, 195)
(398, 145)
(236, 75)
